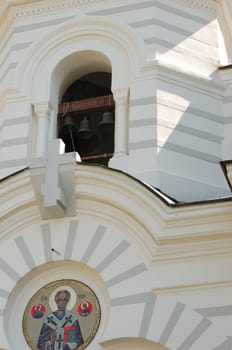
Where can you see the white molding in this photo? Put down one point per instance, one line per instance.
(163, 233)
(52, 6)
(120, 202)
(43, 109)
(121, 96)
(182, 251)
(131, 344)
(189, 79)
(27, 8)
(65, 41)
(192, 287)
(207, 5)
(22, 9)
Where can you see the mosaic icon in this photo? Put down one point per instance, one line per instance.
(57, 318)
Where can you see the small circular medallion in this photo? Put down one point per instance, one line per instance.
(85, 308)
(63, 315)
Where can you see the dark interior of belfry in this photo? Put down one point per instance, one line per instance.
(86, 118)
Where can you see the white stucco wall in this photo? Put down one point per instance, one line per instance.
(160, 269)
(165, 56)
(159, 278)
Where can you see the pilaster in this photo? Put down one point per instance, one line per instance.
(121, 97)
(42, 111)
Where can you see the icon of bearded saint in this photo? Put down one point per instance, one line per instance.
(61, 329)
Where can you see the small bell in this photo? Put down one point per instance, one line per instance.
(68, 121)
(84, 132)
(107, 120)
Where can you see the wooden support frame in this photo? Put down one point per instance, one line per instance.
(87, 105)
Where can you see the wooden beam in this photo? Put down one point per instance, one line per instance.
(90, 104)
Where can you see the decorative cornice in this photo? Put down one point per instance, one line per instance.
(206, 5)
(192, 287)
(188, 225)
(190, 251)
(34, 9)
(187, 78)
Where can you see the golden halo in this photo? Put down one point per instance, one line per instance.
(71, 302)
(84, 302)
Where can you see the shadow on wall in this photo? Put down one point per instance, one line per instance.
(189, 122)
(180, 34)
(189, 136)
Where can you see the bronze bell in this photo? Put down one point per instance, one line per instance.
(68, 121)
(107, 120)
(84, 132)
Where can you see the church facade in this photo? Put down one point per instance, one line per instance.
(115, 174)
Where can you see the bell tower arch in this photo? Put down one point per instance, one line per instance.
(86, 117)
(82, 47)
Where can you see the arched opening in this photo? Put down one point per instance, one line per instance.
(86, 118)
(65, 55)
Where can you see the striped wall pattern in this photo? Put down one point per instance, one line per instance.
(147, 18)
(154, 115)
(14, 148)
(6, 57)
(21, 37)
(153, 321)
(174, 30)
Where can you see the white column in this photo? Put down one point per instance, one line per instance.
(43, 114)
(121, 122)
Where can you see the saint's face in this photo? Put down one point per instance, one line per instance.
(61, 301)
